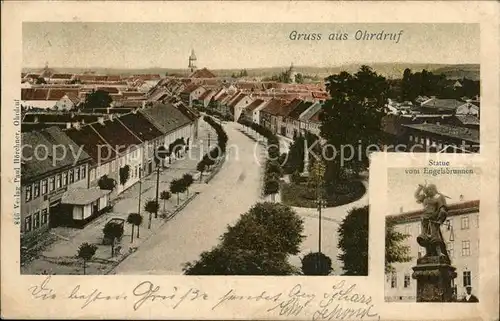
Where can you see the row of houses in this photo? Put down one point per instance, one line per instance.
(69, 98)
(63, 184)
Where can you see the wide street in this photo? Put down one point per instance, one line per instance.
(232, 192)
(198, 226)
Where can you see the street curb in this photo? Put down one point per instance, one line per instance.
(174, 213)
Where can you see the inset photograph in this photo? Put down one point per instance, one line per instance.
(432, 235)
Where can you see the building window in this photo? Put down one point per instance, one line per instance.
(58, 181)
(28, 193)
(65, 178)
(36, 190)
(411, 138)
(45, 216)
(408, 229)
(71, 176)
(394, 280)
(52, 184)
(477, 220)
(83, 172)
(465, 248)
(77, 174)
(407, 280)
(27, 224)
(449, 247)
(465, 222)
(467, 278)
(36, 220)
(44, 187)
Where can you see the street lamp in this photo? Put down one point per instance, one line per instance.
(208, 139)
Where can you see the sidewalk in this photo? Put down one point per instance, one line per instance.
(60, 256)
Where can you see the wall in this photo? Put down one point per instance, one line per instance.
(454, 240)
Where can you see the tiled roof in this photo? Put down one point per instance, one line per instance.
(287, 109)
(449, 104)
(274, 107)
(140, 126)
(58, 158)
(468, 119)
(110, 90)
(320, 95)
(235, 101)
(57, 94)
(92, 144)
(61, 76)
(64, 117)
(297, 111)
(206, 94)
(254, 105)
(165, 117)
(222, 97)
(202, 73)
(117, 135)
(468, 134)
(190, 89)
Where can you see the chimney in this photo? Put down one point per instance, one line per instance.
(68, 125)
(100, 119)
(401, 209)
(77, 125)
(110, 117)
(35, 120)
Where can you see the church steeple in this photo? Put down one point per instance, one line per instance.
(192, 61)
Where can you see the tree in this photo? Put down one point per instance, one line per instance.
(134, 219)
(86, 251)
(124, 173)
(201, 168)
(187, 180)
(151, 207)
(353, 241)
(271, 187)
(316, 264)
(352, 118)
(295, 159)
(176, 188)
(395, 251)
(98, 99)
(106, 183)
(165, 196)
(234, 261)
(299, 78)
(113, 231)
(268, 228)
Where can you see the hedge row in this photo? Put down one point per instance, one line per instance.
(273, 171)
(218, 150)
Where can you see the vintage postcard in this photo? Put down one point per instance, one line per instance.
(242, 160)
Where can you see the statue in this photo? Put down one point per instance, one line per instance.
(434, 214)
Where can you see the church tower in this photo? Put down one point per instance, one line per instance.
(192, 61)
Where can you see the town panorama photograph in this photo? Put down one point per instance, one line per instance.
(227, 148)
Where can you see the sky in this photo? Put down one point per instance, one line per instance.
(402, 186)
(239, 45)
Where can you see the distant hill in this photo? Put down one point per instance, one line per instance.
(389, 70)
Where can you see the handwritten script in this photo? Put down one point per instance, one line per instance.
(343, 301)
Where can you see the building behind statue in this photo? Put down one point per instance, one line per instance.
(462, 242)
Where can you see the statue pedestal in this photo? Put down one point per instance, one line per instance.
(434, 275)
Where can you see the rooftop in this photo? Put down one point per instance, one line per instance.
(57, 159)
(468, 134)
